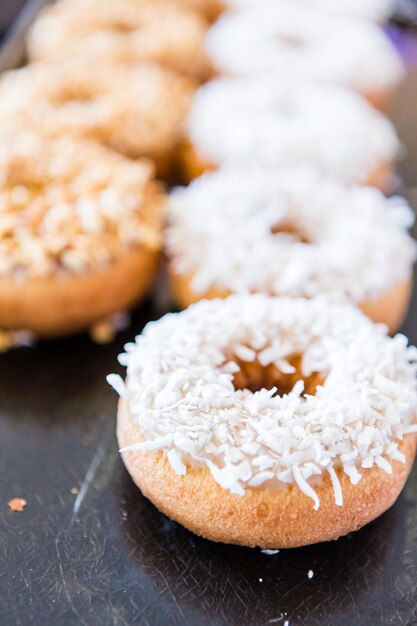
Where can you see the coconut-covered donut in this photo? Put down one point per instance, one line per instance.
(122, 31)
(137, 110)
(373, 10)
(80, 233)
(290, 232)
(281, 39)
(254, 120)
(270, 422)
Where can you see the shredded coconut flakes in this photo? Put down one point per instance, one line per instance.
(180, 392)
(220, 234)
(287, 122)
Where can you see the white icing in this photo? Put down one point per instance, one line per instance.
(278, 123)
(180, 392)
(220, 234)
(284, 39)
(377, 10)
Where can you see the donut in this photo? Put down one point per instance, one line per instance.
(136, 110)
(254, 120)
(122, 31)
(372, 10)
(80, 233)
(270, 422)
(282, 39)
(290, 232)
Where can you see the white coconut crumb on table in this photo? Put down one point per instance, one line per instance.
(288, 231)
(290, 122)
(180, 392)
(282, 39)
(310, 574)
(269, 552)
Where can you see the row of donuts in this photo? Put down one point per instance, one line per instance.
(244, 414)
(253, 417)
(99, 84)
(289, 159)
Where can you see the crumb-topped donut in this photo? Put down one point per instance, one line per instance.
(281, 39)
(123, 31)
(80, 233)
(137, 110)
(276, 123)
(270, 422)
(290, 232)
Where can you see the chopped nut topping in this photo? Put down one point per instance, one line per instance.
(70, 205)
(135, 109)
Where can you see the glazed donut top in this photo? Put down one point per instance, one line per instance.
(137, 110)
(288, 232)
(68, 206)
(250, 120)
(181, 391)
(123, 31)
(284, 39)
(377, 10)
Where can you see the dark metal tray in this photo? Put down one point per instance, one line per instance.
(107, 556)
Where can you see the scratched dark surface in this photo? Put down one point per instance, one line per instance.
(106, 556)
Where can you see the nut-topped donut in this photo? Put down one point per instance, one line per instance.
(281, 39)
(136, 110)
(123, 31)
(80, 233)
(270, 422)
(290, 232)
(255, 120)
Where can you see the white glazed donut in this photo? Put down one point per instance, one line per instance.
(281, 39)
(273, 422)
(254, 120)
(290, 232)
(374, 10)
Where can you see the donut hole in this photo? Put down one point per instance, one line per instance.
(75, 94)
(291, 40)
(290, 231)
(254, 377)
(121, 27)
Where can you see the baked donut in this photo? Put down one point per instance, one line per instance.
(290, 232)
(282, 39)
(254, 120)
(80, 233)
(270, 422)
(373, 10)
(137, 110)
(123, 31)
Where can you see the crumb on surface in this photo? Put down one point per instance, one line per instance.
(103, 332)
(310, 573)
(74, 491)
(17, 504)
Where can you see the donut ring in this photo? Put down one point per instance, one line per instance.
(290, 233)
(80, 233)
(373, 10)
(281, 39)
(256, 121)
(237, 462)
(136, 110)
(123, 31)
